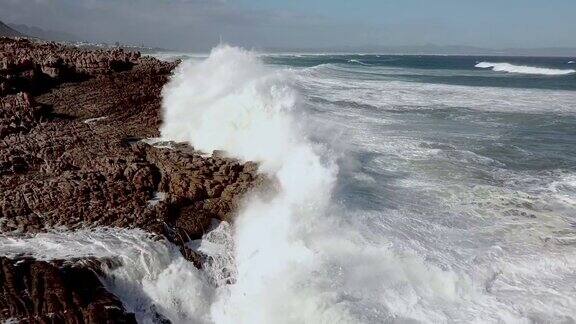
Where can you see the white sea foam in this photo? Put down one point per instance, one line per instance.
(358, 62)
(250, 113)
(158, 197)
(299, 257)
(151, 277)
(174, 56)
(157, 142)
(338, 85)
(214, 108)
(522, 69)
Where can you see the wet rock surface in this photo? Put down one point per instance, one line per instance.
(76, 151)
(33, 291)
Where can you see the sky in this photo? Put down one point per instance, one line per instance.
(198, 25)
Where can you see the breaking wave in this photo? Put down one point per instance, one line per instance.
(522, 69)
(300, 257)
(358, 62)
(232, 102)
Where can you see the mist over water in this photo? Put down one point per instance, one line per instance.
(407, 190)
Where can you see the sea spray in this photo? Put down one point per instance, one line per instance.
(522, 69)
(232, 102)
(299, 258)
(152, 278)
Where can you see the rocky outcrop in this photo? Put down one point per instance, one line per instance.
(34, 291)
(37, 67)
(18, 114)
(78, 150)
(78, 156)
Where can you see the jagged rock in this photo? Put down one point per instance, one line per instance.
(36, 67)
(18, 113)
(77, 155)
(77, 161)
(33, 291)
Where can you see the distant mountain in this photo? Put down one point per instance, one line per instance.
(7, 31)
(547, 51)
(51, 35)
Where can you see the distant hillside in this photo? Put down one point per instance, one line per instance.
(6, 31)
(50, 35)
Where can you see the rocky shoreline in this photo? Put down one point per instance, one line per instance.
(57, 292)
(78, 150)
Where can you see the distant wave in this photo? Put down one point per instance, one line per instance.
(571, 62)
(358, 62)
(510, 68)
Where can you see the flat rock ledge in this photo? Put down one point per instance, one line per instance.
(78, 149)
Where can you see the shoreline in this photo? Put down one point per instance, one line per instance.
(73, 154)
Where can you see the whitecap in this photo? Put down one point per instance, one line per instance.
(358, 62)
(522, 69)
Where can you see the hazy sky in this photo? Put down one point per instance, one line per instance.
(198, 24)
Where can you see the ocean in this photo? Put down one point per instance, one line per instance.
(410, 189)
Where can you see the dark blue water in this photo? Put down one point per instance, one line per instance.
(441, 69)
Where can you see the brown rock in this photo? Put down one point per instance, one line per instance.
(34, 291)
(36, 67)
(73, 157)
